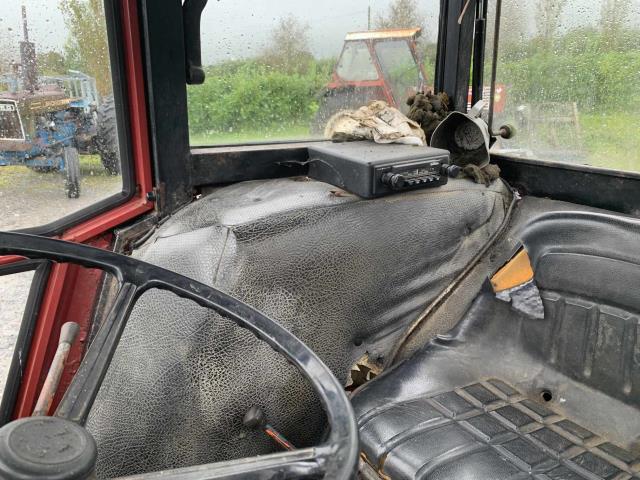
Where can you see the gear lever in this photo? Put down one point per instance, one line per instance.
(68, 334)
(255, 418)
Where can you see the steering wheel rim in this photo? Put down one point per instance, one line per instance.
(336, 458)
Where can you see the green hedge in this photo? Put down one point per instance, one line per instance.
(595, 81)
(598, 74)
(596, 70)
(250, 96)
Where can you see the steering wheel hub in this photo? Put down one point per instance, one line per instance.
(46, 447)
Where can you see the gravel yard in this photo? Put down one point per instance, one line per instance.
(29, 199)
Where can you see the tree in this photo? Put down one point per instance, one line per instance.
(613, 20)
(401, 14)
(288, 48)
(6, 57)
(87, 43)
(548, 18)
(512, 28)
(51, 63)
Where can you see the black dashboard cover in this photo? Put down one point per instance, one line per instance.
(345, 275)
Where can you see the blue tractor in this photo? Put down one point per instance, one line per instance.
(45, 122)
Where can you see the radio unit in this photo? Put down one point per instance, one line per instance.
(371, 170)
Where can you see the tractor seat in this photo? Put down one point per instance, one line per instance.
(476, 404)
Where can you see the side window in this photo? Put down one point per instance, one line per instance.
(568, 77)
(356, 63)
(14, 291)
(277, 71)
(59, 143)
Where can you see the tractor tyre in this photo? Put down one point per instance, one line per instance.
(72, 170)
(107, 136)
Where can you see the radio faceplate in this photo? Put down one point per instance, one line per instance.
(371, 170)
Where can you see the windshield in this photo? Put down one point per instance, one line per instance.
(356, 63)
(399, 68)
(277, 71)
(10, 127)
(59, 140)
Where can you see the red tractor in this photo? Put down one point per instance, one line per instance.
(380, 65)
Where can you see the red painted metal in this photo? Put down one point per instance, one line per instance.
(337, 83)
(139, 135)
(71, 290)
(78, 306)
(7, 259)
(41, 337)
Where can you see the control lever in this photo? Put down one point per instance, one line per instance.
(68, 334)
(256, 419)
(191, 13)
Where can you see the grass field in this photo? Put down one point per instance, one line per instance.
(91, 170)
(606, 140)
(298, 132)
(612, 140)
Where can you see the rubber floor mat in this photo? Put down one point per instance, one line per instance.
(498, 398)
(491, 429)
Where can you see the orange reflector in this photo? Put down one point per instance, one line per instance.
(515, 272)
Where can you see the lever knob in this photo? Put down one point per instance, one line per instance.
(452, 171)
(394, 180)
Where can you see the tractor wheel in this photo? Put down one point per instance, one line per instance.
(107, 136)
(72, 170)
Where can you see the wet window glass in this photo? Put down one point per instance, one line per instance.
(356, 63)
(58, 136)
(569, 72)
(10, 124)
(14, 290)
(277, 71)
(400, 69)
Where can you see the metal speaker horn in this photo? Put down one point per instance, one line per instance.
(466, 136)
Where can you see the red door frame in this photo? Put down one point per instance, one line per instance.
(71, 290)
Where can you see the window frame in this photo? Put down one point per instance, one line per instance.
(183, 170)
(115, 40)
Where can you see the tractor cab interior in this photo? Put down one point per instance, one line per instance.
(245, 314)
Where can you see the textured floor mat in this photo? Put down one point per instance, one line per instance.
(487, 430)
(508, 396)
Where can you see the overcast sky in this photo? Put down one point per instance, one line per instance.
(240, 28)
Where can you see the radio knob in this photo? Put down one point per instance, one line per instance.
(394, 180)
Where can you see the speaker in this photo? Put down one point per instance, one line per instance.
(465, 136)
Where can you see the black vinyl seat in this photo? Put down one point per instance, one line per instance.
(329, 266)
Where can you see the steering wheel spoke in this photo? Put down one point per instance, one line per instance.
(336, 459)
(81, 393)
(306, 463)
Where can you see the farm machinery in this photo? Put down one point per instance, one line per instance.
(47, 121)
(381, 65)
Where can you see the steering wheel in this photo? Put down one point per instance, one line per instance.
(61, 448)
